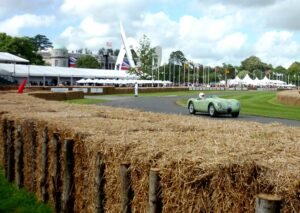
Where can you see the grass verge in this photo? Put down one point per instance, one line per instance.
(13, 200)
(261, 104)
(86, 101)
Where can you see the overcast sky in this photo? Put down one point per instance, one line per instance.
(207, 31)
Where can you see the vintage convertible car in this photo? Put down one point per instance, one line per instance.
(213, 105)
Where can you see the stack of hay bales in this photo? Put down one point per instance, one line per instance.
(205, 165)
(58, 96)
(290, 97)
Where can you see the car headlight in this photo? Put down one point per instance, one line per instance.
(238, 104)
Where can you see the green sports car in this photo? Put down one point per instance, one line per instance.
(213, 105)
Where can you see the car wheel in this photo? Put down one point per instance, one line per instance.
(191, 108)
(235, 114)
(211, 110)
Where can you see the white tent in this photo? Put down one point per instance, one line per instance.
(247, 80)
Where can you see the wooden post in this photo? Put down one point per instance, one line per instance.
(155, 202)
(126, 190)
(43, 184)
(4, 145)
(19, 164)
(33, 155)
(11, 152)
(266, 203)
(68, 184)
(56, 177)
(100, 182)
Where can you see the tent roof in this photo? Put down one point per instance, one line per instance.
(20, 70)
(7, 57)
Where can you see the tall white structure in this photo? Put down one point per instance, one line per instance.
(125, 49)
(59, 56)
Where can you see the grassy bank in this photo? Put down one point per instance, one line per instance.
(261, 104)
(14, 200)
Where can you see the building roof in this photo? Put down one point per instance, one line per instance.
(20, 70)
(10, 58)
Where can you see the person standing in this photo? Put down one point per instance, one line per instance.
(136, 90)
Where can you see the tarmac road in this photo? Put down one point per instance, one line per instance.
(166, 104)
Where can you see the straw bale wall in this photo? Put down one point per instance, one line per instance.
(290, 97)
(204, 165)
(59, 96)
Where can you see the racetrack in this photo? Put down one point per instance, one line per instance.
(166, 104)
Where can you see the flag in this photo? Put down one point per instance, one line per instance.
(125, 65)
(109, 44)
(72, 62)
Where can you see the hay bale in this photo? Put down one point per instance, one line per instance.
(58, 96)
(205, 165)
(289, 97)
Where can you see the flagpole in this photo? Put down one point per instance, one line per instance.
(164, 72)
(188, 81)
(193, 74)
(179, 74)
(184, 73)
(215, 76)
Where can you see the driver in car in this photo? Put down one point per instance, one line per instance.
(202, 96)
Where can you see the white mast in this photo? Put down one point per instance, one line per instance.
(125, 47)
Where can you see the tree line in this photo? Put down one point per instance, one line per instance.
(178, 69)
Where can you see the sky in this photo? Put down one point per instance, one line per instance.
(210, 32)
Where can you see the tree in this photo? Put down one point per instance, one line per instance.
(177, 60)
(294, 72)
(254, 63)
(177, 57)
(41, 42)
(280, 69)
(87, 61)
(294, 68)
(145, 54)
(116, 52)
(243, 73)
(21, 46)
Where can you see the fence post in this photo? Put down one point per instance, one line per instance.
(266, 203)
(68, 183)
(100, 182)
(56, 178)
(126, 190)
(4, 145)
(33, 155)
(10, 152)
(155, 202)
(19, 164)
(43, 184)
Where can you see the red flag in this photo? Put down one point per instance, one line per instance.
(22, 86)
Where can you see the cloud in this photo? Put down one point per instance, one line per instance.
(14, 25)
(239, 3)
(21, 6)
(277, 48)
(284, 15)
(104, 10)
(89, 34)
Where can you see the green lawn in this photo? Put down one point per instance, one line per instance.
(13, 200)
(261, 104)
(86, 101)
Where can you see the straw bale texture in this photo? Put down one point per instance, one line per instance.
(205, 165)
(290, 97)
(58, 96)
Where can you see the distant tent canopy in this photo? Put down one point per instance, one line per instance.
(6, 57)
